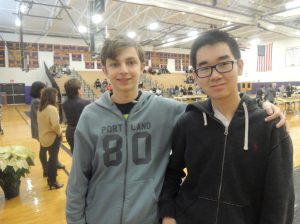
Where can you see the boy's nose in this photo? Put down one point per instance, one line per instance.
(123, 67)
(215, 73)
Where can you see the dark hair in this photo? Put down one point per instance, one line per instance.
(48, 97)
(210, 38)
(72, 87)
(36, 87)
(112, 47)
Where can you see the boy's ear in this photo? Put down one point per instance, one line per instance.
(194, 74)
(240, 65)
(104, 70)
(142, 67)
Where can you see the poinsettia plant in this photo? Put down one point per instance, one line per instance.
(15, 162)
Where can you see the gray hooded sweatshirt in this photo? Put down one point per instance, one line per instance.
(119, 165)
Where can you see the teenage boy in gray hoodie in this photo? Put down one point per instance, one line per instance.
(122, 145)
(239, 168)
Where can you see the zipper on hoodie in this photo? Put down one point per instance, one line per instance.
(222, 171)
(125, 176)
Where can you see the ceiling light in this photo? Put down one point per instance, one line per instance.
(97, 18)
(67, 2)
(23, 8)
(227, 28)
(291, 12)
(255, 41)
(183, 13)
(18, 22)
(271, 27)
(153, 26)
(82, 29)
(171, 39)
(193, 33)
(292, 4)
(131, 34)
(228, 23)
(179, 41)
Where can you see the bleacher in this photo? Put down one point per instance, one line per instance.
(165, 81)
(90, 77)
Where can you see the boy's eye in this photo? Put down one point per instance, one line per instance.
(114, 64)
(203, 69)
(131, 62)
(224, 63)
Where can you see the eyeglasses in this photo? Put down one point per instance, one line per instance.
(222, 67)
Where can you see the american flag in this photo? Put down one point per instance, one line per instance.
(264, 58)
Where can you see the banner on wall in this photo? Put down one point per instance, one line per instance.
(90, 65)
(76, 57)
(264, 58)
(2, 54)
(46, 47)
(14, 55)
(292, 56)
(99, 65)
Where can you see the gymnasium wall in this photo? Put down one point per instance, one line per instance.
(279, 73)
(16, 75)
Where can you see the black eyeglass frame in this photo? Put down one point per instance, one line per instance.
(215, 67)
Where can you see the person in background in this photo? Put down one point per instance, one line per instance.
(158, 92)
(109, 87)
(73, 108)
(270, 93)
(289, 90)
(97, 83)
(35, 93)
(282, 91)
(190, 90)
(122, 145)
(104, 83)
(239, 168)
(260, 94)
(50, 133)
(198, 90)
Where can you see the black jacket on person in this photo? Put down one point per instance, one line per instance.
(242, 174)
(73, 108)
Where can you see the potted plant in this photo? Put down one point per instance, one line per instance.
(15, 162)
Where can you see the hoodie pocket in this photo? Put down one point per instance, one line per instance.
(191, 209)
(141, 203)
(232, 213)
(104, 203)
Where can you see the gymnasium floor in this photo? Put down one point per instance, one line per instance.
(37, 204)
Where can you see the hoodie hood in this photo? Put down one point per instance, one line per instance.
(246, 104)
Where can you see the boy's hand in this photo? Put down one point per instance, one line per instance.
(274, 112)
(168, 220)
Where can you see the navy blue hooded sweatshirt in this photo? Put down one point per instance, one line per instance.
(242, 174)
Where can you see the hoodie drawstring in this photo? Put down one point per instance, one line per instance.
(205, 118)
(246, 126)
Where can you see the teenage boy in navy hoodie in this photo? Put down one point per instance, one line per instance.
(122, 145)
(239, 168)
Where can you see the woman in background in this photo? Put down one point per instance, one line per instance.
(35, 93)
(50, 133)
(73, 107)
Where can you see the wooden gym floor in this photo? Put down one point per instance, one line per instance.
(37, 204)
